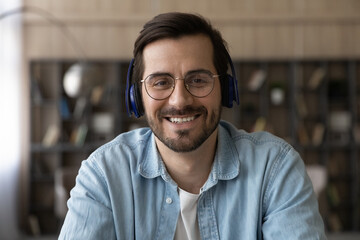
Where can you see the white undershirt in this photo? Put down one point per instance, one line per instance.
(187, 226)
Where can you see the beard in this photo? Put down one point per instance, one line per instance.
(185, 141)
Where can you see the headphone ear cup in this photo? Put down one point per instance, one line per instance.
(136, 101)
(133, 101)
(227, 90)
(232, 87)
(231, 91)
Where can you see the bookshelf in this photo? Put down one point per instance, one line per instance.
(65, 130)
(313, 104)
(318, 113)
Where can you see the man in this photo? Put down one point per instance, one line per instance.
(190, 176)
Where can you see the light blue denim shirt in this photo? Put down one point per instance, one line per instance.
(257, 189)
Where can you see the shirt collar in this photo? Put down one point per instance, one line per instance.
(226, 164)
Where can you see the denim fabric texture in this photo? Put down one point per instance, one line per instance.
(257, 189)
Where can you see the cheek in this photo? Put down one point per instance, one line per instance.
(215, 97)
(151, 106)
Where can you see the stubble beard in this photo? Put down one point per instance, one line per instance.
(184, 142)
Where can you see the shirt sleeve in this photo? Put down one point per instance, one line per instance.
(89, 215)
(290, 209)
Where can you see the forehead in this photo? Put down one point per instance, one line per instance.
(177, 56)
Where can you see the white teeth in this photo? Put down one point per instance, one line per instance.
(181, 120)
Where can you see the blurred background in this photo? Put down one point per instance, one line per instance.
(63, 68)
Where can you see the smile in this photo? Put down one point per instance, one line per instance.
(181, 120)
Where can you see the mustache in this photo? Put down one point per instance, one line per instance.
(188, 110)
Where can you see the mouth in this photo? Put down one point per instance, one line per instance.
(183, 116)
(181, 120)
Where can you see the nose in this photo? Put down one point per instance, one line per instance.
(180, 97)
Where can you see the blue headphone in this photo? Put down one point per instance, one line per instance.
(133, 101)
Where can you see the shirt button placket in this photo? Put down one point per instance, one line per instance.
(168, 200)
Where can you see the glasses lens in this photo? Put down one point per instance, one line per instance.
(159, 86)
(199, 84)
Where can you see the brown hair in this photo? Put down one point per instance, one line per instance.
(175, 25)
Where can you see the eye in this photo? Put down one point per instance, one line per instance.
(199, 80)
(160, 82)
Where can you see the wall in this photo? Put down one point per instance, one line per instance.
(10, 85)
(253, 28)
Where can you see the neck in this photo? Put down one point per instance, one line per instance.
(190, 170)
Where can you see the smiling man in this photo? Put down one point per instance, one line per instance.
(189, 175)
(187, 114)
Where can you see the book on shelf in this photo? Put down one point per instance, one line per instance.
(303, 134)
(356, 133)
(64, 108)
(256, 80)
(34, 225)
(318, 134)
(51, 136)
(316, 78)
(334, 223)
(260, 124)
(36, 93)
(78, 135)
(97, 94)
(80, 107)
(333, 195)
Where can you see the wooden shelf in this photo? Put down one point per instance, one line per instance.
(285, 119)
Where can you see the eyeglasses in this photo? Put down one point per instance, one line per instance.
(198, 84)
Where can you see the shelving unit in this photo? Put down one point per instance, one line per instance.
(64, 132)
(319, 116)
(298, 100)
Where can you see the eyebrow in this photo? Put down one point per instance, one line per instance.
(187, 73)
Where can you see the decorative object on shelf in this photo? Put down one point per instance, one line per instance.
(318, 176)
(256, 80)
(102, 125)
(277, 93)
(81, 79)
(340, 125)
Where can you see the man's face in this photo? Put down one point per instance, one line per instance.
(182, 122)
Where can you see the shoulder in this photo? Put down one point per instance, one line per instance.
(260, 151)
(125, 149)
(125, 141)
(262, 139)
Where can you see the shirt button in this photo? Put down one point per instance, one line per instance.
(168, 200)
